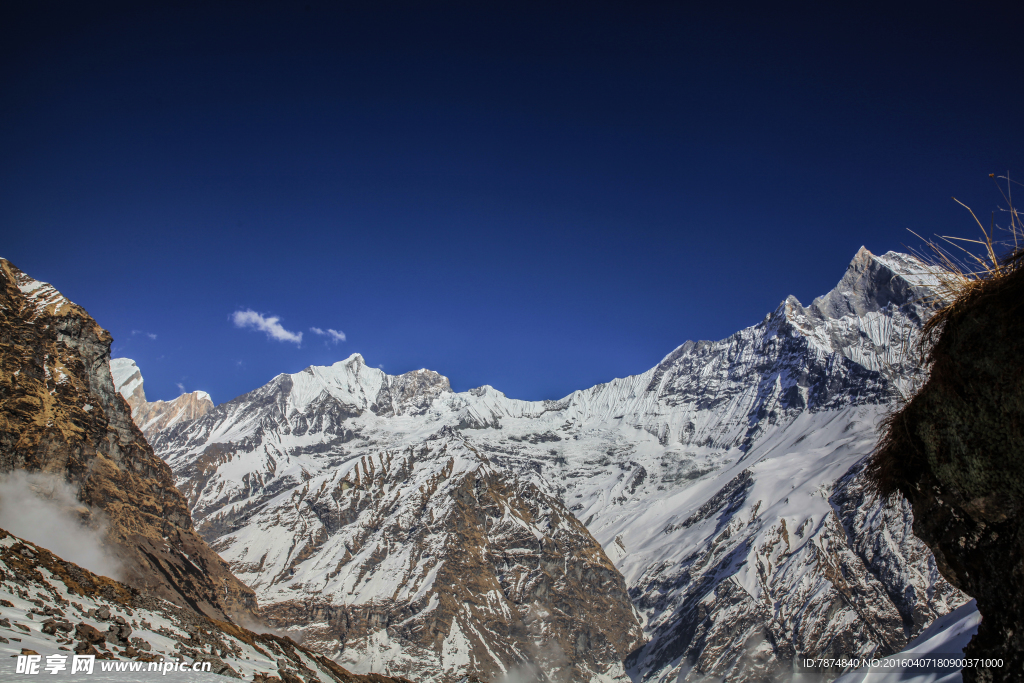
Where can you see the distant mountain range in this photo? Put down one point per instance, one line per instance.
(708, 517)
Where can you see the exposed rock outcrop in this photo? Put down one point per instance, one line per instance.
(439, 568)
(60, 415)
(956, 451)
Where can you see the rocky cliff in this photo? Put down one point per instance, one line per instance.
(60, 415)
(956, 451)
(725, 485)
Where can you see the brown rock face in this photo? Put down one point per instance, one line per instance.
(956, 451)
(157, 415)
(60, 414)
(520, 585)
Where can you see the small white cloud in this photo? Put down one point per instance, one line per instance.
(270, 325)
(335, 335)
(145, 334)
(181, 387)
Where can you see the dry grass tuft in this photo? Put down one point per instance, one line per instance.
(967, 282)
(959, 270)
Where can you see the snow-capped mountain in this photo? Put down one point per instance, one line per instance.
(404, 527)
(153, 416)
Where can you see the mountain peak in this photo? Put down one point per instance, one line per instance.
(354, 359)
(871, 283)
(152, 416)
(42, 296)
(128, 382)
(484, 390)
(411, 495)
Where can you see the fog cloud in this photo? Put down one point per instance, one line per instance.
(45, 510)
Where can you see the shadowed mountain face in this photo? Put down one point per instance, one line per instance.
(60, 415)
(956, 451)
(397, 523)
(451, 568)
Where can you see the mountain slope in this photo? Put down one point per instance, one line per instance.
(429, 562)
(60, 415)
(51, 604)
(724, 484)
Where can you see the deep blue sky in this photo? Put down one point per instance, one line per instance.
(512, 194)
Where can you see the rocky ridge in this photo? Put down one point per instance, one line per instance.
(439, 567)
(60, 416)
(724, 484)
(153, 416)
